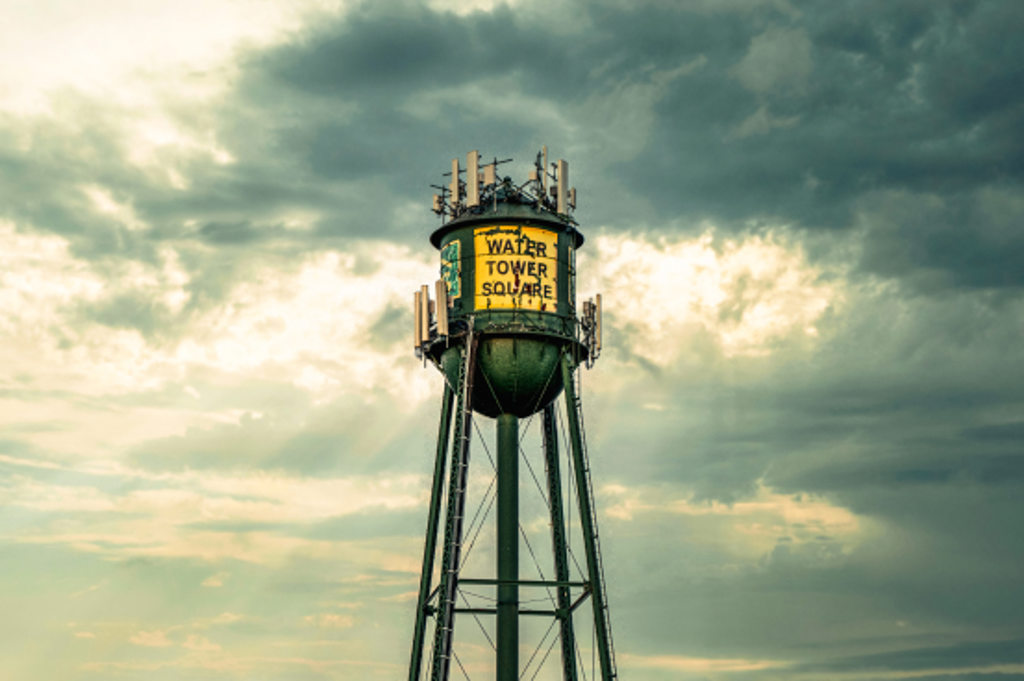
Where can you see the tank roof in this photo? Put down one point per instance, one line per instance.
(509, 204)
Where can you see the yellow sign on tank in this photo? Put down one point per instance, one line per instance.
(516, 268)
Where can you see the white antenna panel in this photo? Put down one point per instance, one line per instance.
(424, 314)
(441, 291)
(472, 178)
(490, 173)
(563, 186)
(456, 194)
(544, 170)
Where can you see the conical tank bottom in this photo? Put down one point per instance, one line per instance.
(516, 375)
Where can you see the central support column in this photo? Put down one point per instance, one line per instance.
(508, 548)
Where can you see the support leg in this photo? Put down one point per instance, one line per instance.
(508, 548)
(588, 522)
(558, 542)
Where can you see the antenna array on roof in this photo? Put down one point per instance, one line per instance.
(547, 187)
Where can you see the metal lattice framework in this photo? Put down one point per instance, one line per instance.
(441, 602)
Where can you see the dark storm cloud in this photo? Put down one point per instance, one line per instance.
(802, 117)
(970, 240)
(899, 118)
(236, 207)
(1008, 433)
(386, 49)
(231, 232)
(380, 62)
(890, 101)
(130, 310)
(63, 159)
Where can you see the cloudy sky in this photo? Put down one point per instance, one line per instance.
(806, 221)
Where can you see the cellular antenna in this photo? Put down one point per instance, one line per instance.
(490, 174)
(544, 172)
(562, 188)
(454, 190)
(472, 179)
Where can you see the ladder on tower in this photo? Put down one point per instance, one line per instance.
(448, 588)
(604, 614)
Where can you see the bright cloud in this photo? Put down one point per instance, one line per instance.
(310, 326)
(328, 620)
(201, 643)
(216, 580)
(104, 203)
(167, 520)
(151, 639)
(317, 323)
(682, 663)
(99, 48)
(664, 296)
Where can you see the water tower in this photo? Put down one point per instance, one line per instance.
(505, 332)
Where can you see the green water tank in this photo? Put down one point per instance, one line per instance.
(510, 266)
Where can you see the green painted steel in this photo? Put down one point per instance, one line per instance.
(518, 364)
(520, 375)
(558, 543)
(430, 543)
(559, 546)
(523, 582)
(507, 638)
(512, 346)
(587, 520)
